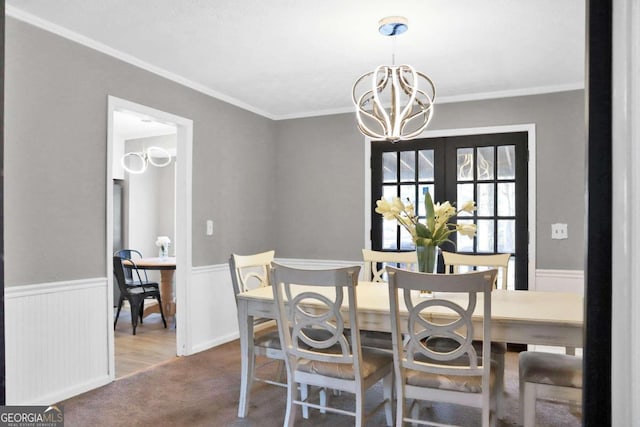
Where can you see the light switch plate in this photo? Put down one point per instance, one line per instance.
(559, 231)
(209, 227)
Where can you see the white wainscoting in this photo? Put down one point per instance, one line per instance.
(56, 340)
(212, 317)
(559, 281)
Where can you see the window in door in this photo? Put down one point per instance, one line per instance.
(490, 169)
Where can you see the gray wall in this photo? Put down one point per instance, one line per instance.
(55, 151)
(304, 198)
(320, 176)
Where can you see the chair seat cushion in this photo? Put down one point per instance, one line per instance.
(551, 368)
(464, 383)
(372, 361)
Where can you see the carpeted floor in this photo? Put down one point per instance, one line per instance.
(203, 390)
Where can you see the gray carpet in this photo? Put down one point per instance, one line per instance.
(203, 390)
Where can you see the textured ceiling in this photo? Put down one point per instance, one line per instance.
(286, 58)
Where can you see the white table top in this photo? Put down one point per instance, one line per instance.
(514, 306)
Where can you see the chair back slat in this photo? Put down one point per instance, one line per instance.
(376, 261)
(250, 271)
(310, 320)
(419, 328)
(130, 254)
(455, 262)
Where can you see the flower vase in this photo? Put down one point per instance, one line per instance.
(164, 251)
(427, 261)
(427, 258)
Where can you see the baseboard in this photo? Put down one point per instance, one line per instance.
(61, 395)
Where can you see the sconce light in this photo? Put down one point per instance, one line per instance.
(137, 162)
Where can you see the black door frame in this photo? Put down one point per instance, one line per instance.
(596, 398)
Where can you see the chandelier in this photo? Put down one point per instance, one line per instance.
(137, 162)
(393, 102)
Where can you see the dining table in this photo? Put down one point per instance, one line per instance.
(167, 268)
(517, 316)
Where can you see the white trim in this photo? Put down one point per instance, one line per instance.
(559, 281)
(36, 21)
(530, 128)
(184, 236)
(529, 91)
(625, 319)
(13, 292)
(49, 26)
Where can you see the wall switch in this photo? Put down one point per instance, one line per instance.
(209, 227)
(559, 231)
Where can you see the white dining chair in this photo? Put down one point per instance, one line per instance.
(455, 263)
(376, 261)
(249, 272)
(319, 351)
(459, 263)
(458, 376)
(547, 376)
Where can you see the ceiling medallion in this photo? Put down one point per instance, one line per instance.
(393, 102)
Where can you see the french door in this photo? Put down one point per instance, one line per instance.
(490, 169)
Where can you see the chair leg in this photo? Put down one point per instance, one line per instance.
(289, 417)
(134, 302)
(399, 404)
(387, 386)
(323, 400)
(115, 322)
(304, 395)
(141, 310)
(500, 391)
(529, 405)
(164, 322)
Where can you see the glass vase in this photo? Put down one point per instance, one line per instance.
(427, 258)
(427, 262)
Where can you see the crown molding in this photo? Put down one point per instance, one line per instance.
(130, 59)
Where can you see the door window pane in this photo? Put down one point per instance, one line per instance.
(506, 235)
(464, 243)
(389, 167)
(406, 241)
(485, 163)
(485, 200)
(425, 164)
(389, 192)
(465, 193)
(506, 162)
(506, 199)
(465, 164)
(389, 235)
(485, 235)
(407, 166)
(422, 190)
(408, 192)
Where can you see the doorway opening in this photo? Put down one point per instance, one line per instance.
(143, 209)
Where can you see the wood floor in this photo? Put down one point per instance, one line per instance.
(152, 344)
